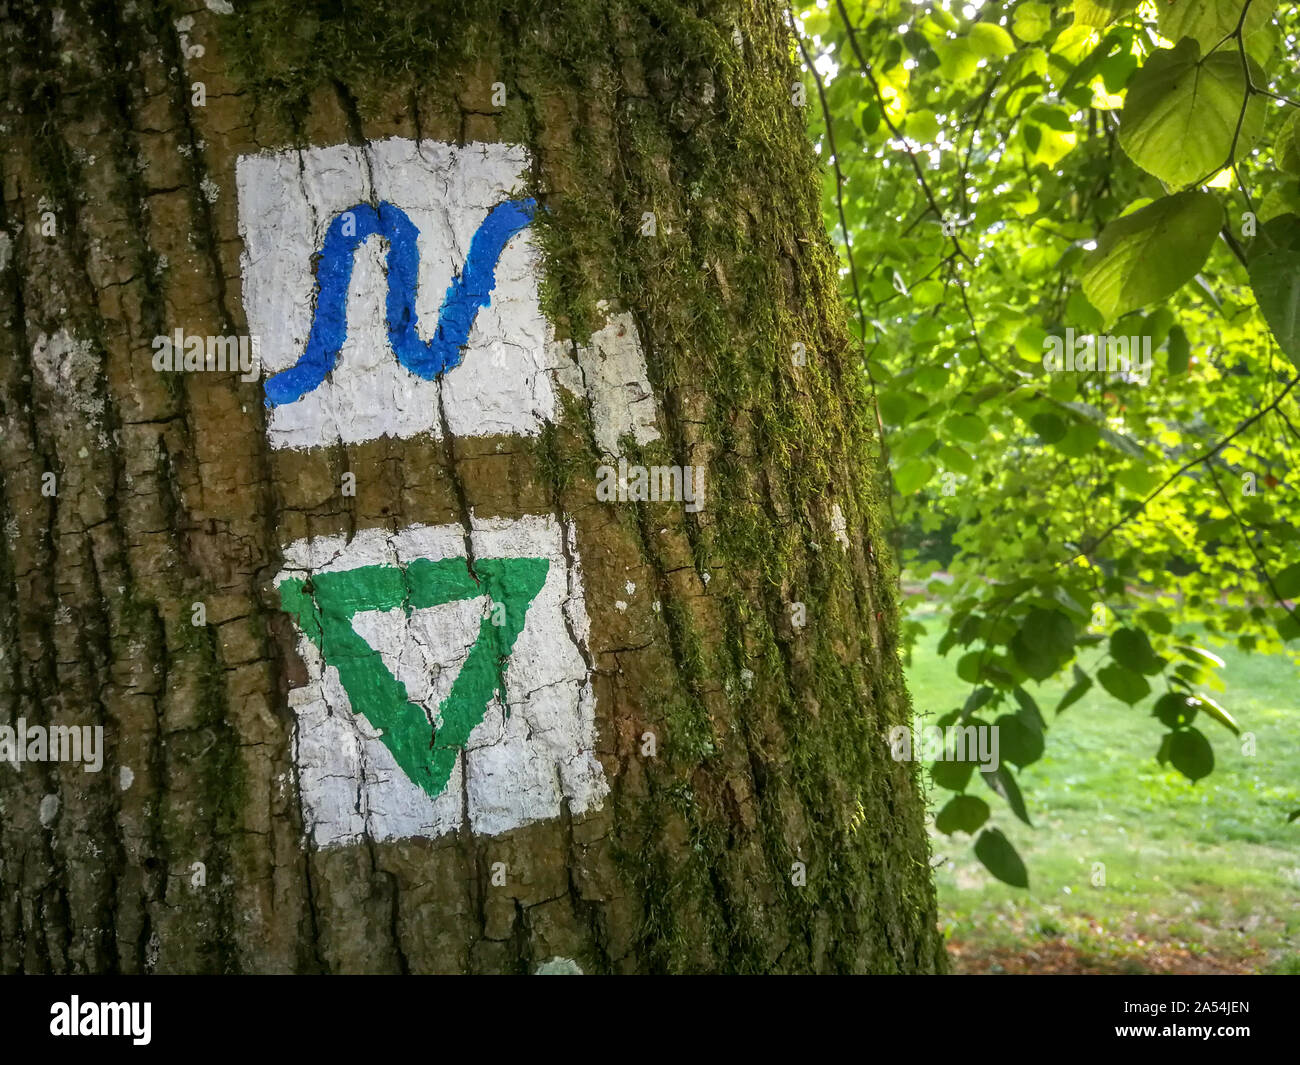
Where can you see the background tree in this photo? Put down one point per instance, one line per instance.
(1106, 167)
(121, 129)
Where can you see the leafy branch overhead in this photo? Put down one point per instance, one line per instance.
(1070, 237)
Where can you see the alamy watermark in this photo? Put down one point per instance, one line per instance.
(215, 354)
(55, 743)
(1129, 357)
(956, 743)
(79, 1018)
(654, 484)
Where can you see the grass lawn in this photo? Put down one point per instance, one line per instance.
(1199, 877)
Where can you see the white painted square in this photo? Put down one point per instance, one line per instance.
(524, 761)
(287, 200)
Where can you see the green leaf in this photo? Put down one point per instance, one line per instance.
(944, 18)
(951, 776)
(1182, 113)
(1179, 351)
(1032, 660)
(991, 40)
(978, 698)
(1275, 279)
(1138, 479)
(1286, 149)
(1000, 858)
(1051, 631)
(1049, 427)
(1126, 685)
(1157, 325)
(1121, 442)
(1199, 655)
(1287, 582)
(1176, 709)
(1085, 315)
(1191, 754)
(956, 459)
(1115, 70)
(1101, 13)
(922, 127)
(1156, 621)
(1279, 200)
(968, 428)
(1029, 712)
(897, 407)
(1219, 714)
(1082, 682)
(1132, 649)
(914, 443)
(1209, 22)
(962, 813)
(1003, 783)
(1210, 531)
(970, 665)
(1017, 742)
(927, 293)
(957, 59)
(1029, 342)
(912, 475)
(1288, 628)
(1078, 440)
(1031, 21)
(1043, 643)
(929, 379)
(1147, 255)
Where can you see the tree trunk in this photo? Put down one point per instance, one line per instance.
(696, 777)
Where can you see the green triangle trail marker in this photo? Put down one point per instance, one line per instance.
(325, 604)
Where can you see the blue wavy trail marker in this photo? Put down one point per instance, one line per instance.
(469, 291)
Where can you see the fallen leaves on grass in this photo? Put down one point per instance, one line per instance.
(1062, 956)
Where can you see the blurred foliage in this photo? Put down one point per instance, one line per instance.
(1002, 174)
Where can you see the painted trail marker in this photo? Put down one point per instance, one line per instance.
(371, 272)
(425, 750)
(470, 291)
(394, 287)
(433, 698)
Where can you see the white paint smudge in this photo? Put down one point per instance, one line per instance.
(559, 967)
(48, 810)
(219, 7)
(524, 761)
(611, 373)
(183, 26)
(125, 778)
(839, 526)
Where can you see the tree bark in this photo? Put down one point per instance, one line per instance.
(190, 851)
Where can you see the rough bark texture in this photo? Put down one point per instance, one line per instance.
(770, 737)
